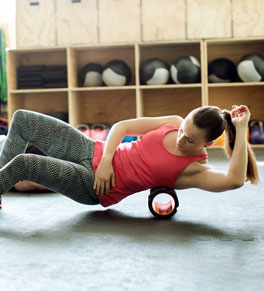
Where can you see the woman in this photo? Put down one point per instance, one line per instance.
(172, 152)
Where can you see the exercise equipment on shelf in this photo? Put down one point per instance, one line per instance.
(116, 73)
(220, 141)
(256, 132)
(97, 131)
(154, 72)
(186, 70)
(100, 131)
(251, 68)
(41, 76)
(222, 70)
(91, 75)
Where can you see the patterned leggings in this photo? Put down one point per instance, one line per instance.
(66, 169)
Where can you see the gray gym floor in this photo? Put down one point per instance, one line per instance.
(214, 242)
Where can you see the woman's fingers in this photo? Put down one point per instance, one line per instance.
(113, 180)
(107, 187)
(102, 188)
(95, 183)
(240, 115)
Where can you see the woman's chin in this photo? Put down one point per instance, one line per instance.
(178, 146)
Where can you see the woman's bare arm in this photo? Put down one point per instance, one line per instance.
(104, 176)
(216, 181)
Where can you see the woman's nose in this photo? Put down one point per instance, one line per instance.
(181, 139)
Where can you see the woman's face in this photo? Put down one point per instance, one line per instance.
(190, 138)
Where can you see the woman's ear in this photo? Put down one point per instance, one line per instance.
(208, 144)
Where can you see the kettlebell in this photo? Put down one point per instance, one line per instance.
(256, 132)
(261, 132)
(99, 131)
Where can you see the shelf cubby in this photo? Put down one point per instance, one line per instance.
(225, 94)
(101, 106)
(30, 57)
(43, 102)
(252, 96)
(170, 51)
(80, 56)
(163, 101)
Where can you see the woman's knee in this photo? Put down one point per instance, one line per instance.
(20, 160)
(19, 116)
(18, 113)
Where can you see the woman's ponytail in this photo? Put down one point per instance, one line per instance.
(230, 136)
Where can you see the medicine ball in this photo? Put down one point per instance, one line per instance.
(116, 73)
(154, 72)
(91, 75)
(222, 70)
(251, 68)
(186, 70)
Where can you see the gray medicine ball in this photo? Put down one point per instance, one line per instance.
(222, 70)
(251, 68)
(186, 70)
(154, 72)
(116, 73)
(91, 75)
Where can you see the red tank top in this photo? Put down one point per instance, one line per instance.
(143, 164)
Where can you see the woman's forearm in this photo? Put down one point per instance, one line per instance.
(238, 163)
(114, 138)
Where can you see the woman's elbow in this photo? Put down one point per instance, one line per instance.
(236, 184)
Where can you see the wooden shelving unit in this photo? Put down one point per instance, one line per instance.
(170, 99)
(105, 104)
(111, 104)
(225, 95)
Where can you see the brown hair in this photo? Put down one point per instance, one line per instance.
(215, 121)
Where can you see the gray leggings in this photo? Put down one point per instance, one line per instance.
(66, 169)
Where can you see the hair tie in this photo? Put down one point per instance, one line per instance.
(226, 114)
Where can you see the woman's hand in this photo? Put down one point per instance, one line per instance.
(240, 115)
(104, 176)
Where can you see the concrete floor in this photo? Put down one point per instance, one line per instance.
(214, 242)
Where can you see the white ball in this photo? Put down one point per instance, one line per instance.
(93, 79)
(247, 72)
(160, 77)
(111, 78)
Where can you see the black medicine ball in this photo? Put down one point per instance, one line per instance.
(222, 70)
(91, 75)
(186, 70)
(154, 72)
(251, 68)
(116, 73)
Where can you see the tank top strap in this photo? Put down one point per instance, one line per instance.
(197, 157)
(165, 128)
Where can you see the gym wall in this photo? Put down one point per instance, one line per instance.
(65, 22)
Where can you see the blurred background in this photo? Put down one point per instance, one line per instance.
(73, 56)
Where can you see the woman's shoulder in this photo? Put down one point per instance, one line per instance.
(197, 167)
(174, 121)
(188, 174)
